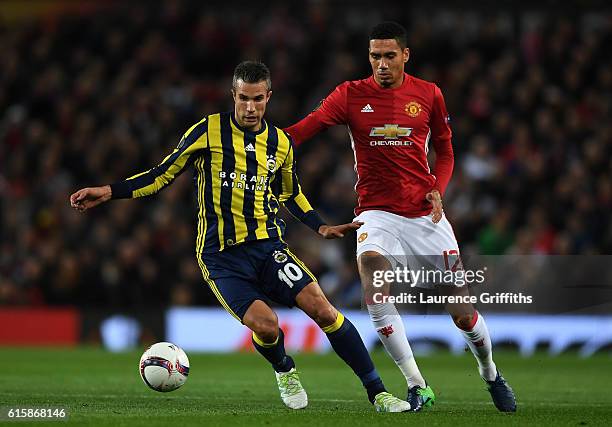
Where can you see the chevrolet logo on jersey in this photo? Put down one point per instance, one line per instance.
(390, 131)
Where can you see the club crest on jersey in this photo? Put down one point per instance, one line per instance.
(271, 163)
(362, 237)
(413, 109)
(279, 257)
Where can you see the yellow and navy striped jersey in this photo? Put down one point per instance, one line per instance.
(240, 177)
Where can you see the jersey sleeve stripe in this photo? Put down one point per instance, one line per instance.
(228, 165)
(211, 239)
(172, 166)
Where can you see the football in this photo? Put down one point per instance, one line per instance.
(164, 367)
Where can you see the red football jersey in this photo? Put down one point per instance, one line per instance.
(390, 130)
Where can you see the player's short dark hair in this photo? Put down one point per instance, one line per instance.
(252, 72)
(390, 30)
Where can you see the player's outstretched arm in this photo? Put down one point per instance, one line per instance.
(338, 231)
(151, 181)
(87, 198)
(331, 111)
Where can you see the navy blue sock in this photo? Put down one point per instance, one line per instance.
(347, 343)
(275, 352)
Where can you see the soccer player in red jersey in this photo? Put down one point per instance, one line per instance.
(392, 117)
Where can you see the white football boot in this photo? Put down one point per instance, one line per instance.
(291, 390)
(386, 402)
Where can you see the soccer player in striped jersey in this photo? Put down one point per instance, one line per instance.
(244, 170)
(392, 117)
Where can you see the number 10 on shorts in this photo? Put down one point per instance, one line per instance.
(290, 273)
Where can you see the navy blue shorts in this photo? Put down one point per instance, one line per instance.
(259, 270)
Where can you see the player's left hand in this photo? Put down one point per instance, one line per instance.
(338, 231)
(435, 199)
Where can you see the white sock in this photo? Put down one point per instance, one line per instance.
(390, 328)
(479, 341)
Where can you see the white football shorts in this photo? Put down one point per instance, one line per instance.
(414, 243)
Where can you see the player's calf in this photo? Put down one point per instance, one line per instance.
(269, 341)
(347, 344)
(386, 319)
(476, 335)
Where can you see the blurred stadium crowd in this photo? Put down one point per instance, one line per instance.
(88, 99)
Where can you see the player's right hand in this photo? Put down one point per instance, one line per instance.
(89, 197)
(338, 231)
(435, 199)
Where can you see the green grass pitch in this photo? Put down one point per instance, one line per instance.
(100, 388)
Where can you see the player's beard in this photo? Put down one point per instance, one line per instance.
(386, 82)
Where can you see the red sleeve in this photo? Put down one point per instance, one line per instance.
(332, 111)
(441, 138)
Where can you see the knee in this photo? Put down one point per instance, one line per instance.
(372, 267)
(465, 321)
(321, 311)
(265, 327)
(325, 316)
(369, 262)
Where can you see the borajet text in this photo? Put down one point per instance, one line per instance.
(242, 180)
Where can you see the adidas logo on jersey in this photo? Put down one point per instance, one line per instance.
(367, 109)
(249, 147)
